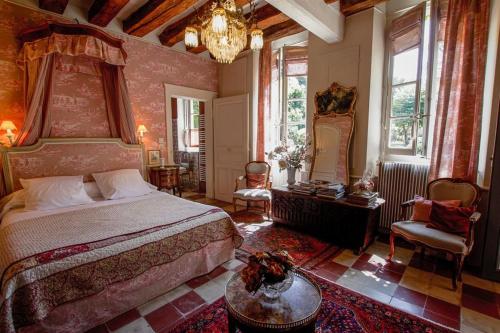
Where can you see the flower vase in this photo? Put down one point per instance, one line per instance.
(291, 171)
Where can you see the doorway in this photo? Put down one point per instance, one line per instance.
(189, 136)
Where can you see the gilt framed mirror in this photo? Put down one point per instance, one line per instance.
(333, 124)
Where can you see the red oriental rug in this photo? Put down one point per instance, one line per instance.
(342, 311)
(263, 235)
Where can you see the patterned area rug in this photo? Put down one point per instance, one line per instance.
(342, 311)
(263, 235)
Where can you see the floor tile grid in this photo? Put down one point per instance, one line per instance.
(421, 287)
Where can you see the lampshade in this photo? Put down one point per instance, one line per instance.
(142, 129)
(7, 125)
(219, 20)
(257, 41)
(191, 37)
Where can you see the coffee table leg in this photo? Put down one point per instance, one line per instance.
(231, 323)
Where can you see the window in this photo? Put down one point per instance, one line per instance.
(194, 123)
(292, 67)
(415, 55)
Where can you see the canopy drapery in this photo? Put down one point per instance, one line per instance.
(47, 48)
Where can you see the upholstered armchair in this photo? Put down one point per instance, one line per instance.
(257, 186)
(419, 233)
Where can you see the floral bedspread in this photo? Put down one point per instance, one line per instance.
(49, 260)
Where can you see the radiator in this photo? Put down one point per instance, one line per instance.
(399, 182)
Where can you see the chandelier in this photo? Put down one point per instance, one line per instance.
(224, 31)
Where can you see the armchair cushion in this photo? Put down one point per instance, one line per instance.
(455, 220)
(253, 194)
(256, 180)
(418, 231)
(422, 208)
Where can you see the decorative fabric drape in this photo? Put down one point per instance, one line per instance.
(38, 82)
(264, 96)
(49, 47)
(295, 60)
(120, 116)
(458, 116)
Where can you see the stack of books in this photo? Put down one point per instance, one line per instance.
(304, 188)
(331, 191)
(363, 199)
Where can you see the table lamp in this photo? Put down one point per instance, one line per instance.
(8, 126)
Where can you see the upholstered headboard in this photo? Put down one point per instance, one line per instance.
(69, 157)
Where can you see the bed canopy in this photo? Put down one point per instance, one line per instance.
(77, 48)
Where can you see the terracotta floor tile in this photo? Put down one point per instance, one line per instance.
(480, 300)
(426, 265)
(346, 258)
(443, 308)
(333, 267)
(455, 324)
(441, 287)
(388, 275)
(326, 274)
(164, 318)
(473, 321)
(407, 307)
(410, 296)
(196, 282)
(216, 272)
(98, 329)
(188, 303)
(123, 319)
(416, 279)
(365, 266)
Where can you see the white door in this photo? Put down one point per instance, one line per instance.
(231, 143)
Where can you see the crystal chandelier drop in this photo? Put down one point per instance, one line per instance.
(224, 31)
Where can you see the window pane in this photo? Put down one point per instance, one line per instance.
(195, 121)
(296, 134)
(297, 87)
(296, 111)
(405, 66)
(196, 107)
(401, 133)
(403, 100)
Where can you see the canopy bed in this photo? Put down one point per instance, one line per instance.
(72, 267)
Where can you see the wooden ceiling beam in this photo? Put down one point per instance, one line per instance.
(196, 50)
(349, 7)
(56, 6)
(283, 29)
(266, 16)
(153, 14)
(103, 11)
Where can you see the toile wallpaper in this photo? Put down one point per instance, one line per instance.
(78, 100)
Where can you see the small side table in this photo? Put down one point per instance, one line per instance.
(296, 310)
(166, 178)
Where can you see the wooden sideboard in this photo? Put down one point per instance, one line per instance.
(337, 221)
(166, 178)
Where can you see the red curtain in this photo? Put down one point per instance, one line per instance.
(264, 95)
(458, 116)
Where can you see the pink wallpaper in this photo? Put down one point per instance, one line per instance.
(78, 98)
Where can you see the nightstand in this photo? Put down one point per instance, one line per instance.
(166, 178)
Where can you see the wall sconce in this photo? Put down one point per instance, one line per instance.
(141, 129)
(8, 126)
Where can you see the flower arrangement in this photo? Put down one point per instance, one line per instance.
(365, 184)
(290, 157)
(266, 268)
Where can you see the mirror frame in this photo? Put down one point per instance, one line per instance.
(326, 96)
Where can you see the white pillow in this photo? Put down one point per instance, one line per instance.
(92, 189)
(54, 192)
(122, 183)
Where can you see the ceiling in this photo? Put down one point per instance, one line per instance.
(163, 21)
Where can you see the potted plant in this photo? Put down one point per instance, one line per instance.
(290, 158)
(270, 271)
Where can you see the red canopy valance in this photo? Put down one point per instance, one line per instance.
(72, 40)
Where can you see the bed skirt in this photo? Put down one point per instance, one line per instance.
(118, 298)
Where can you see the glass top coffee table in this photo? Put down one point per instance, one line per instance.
(295, 310)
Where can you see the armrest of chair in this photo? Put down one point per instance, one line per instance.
(404, 207)
(472, 222)
(237, 182)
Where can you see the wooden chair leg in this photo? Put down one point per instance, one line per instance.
(391, 245)
(454, 273)
(460, 267)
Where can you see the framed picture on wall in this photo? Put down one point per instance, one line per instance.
(153, 157)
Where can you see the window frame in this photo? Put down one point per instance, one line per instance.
(189, 128)
(284, 100)
(406, 154)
